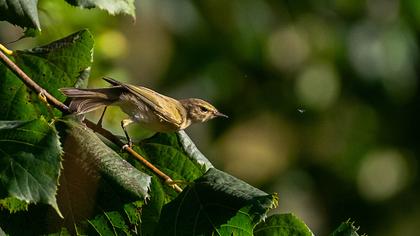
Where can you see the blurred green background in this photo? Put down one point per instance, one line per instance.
(322, 95)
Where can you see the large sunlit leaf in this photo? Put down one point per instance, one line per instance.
(215, 203)
(30, 161)
(111, 6)
(20, 12)
(59, 64)
(282, 225)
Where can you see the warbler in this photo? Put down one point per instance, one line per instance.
(150, 109)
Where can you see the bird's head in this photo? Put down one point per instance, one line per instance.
(199, 111)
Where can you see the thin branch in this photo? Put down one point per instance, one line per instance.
(108, 135)
(167, 179)
(62, 107)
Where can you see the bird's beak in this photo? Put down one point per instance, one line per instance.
(220, 114)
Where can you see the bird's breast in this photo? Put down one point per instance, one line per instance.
(147, 117)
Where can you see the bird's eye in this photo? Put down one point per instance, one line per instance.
(204, 109)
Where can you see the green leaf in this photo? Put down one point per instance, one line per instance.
(20, 12)
(30, 161)
(215, 203)
(97, 157)
(111, 6)
(110, 223)
(15, 101)
(192, 151)
(63, 232)
(282, 225)
(97, 184)
(100, 224)
(13, 205)
(346, 229)
(151, 212)
(2, 232)
(166, 152)
(132, 212)
(59, 64)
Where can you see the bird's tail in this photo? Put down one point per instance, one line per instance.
(86, 100)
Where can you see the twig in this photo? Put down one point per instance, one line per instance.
(108, 135)
(62, 107)
(167, 179)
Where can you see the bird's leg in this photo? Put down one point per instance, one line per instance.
(124, 123)
(102, 117)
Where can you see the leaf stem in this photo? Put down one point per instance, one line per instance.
(63, 108)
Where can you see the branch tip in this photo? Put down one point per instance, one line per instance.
(6, 50)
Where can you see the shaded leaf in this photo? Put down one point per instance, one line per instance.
(100, 224)
(23, 13)
(111, 6)
(346, 229)
(96, 156)
(211, 202)
(97, 184)
(110, 223)
(282, 225)
(30, 161)
(165, 152)
(132, 212)
(151, 212)
(63, 232)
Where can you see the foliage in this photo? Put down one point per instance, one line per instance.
(25, 12)
(50, 160)
(346, 229)
(282, 224)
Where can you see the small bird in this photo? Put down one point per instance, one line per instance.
(150, 109)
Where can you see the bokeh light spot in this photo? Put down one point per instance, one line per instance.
(382, 174)
(387, 55)
(318, 86)
(287, 49)
(112, 44)
(257, 150)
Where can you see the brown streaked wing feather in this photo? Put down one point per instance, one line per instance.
(167, 108)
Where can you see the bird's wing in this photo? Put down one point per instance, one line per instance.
(112, 81)
(165, 107)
